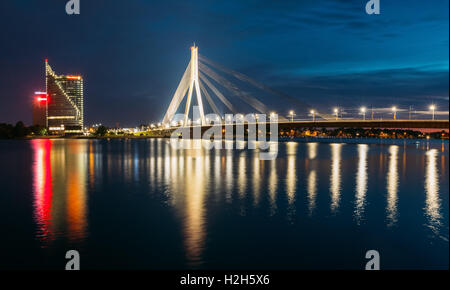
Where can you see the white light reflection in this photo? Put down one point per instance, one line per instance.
(242, 174)
(256, 177)
(392, 186)
(291, 174)
(335, 178)
(433, 202)
(361, 183)
(312, 179)
(312, 191)
(273, 182)
(312, 150)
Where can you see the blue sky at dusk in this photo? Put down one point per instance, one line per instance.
(133, 53)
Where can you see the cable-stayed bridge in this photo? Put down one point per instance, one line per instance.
(220, 91)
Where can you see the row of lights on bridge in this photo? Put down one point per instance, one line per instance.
(363, 111)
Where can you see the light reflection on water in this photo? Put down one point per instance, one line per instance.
(312, 177)
(335, 178)
(392, 186)
(197, 180)
(361, 182)
(60, 173)
(433, 202)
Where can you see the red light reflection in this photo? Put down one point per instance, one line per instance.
(42, 186)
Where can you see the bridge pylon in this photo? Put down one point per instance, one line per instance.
(189, 82)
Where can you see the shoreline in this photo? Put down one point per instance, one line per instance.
(360, 140)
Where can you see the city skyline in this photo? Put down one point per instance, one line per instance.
(133, 73)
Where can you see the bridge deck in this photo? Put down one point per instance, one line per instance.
(391, 124)
(388, 124)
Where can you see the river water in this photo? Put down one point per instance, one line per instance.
(141, 204)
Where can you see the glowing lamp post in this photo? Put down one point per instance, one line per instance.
(272, 116)
(291, 113)
(336, 113)
(394, 109)
(432, 108)
(313, 113)
(363, 112)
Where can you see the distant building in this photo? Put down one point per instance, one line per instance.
(65, 102)
(40, 109)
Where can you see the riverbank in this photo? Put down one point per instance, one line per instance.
(348, 140)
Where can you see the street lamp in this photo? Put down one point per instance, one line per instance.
(363, 111)
(432, 108)
(336, 112)
(272, 116)
(291, 113)
(313, 113)
(394, 109)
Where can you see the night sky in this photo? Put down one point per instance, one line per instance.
(133, 53)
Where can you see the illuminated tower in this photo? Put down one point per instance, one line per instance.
(188, 82)
(194, 82)
(65, 102)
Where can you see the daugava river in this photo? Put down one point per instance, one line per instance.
(141, 204)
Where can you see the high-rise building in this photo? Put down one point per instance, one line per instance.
(65, 102)
(40, 109)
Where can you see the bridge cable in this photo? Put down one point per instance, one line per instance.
(259, 85)
(257, 105)
(218, 93)
(178, 96)
(209, 99)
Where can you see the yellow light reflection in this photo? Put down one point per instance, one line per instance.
(76, 190)
(242, 174)
(291, 174)
(273, 182)
(392, 186)
(228, 175)
(335, 178)
(433, 202)
(60, 180)
(194, 226)
(91, 165)
(256, 177)
(312, 178)
(361, 182)
(312, 191)
(312, 150)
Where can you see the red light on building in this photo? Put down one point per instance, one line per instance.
(41, 96)
(40, 108)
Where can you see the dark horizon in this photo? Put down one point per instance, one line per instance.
(132, 54)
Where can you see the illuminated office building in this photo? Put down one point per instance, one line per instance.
(65, 102)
